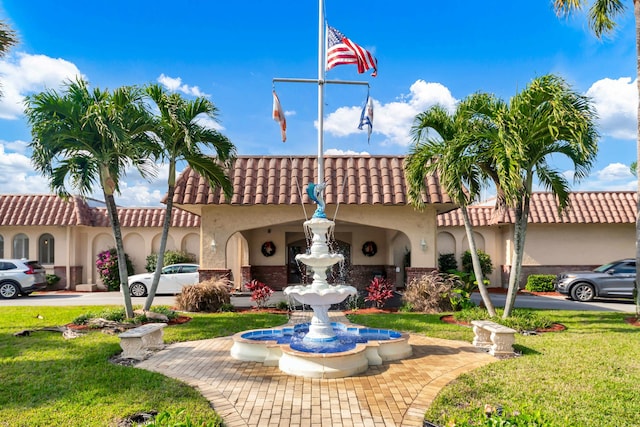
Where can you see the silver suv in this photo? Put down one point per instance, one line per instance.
(19, 276)
(613, 280)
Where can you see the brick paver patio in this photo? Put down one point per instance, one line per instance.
(251, 394)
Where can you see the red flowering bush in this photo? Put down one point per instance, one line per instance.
(107, 265)
(260, 293)
(379, 292)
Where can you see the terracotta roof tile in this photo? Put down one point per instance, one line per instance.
(610, 207)
(51, 210)
(42, 209)
(146, 217)
(282, 180)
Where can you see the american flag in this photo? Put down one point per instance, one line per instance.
(341, 50)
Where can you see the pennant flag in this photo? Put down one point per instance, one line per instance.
(341, 50)
(366, 117)
(278, 116)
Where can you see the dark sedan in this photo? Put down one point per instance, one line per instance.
(613, 280)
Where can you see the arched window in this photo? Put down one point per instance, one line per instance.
(20, 246)
(1, 246)
(46, 249)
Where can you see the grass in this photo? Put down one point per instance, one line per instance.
(49, 381)
(587, 375)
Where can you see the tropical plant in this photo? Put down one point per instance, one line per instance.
(602, 15)
(540, 282)
(83, 138)
(208, 296)
(432, 293)
(485, 262)
(455, 155)
(181, 135)
(260, 293)
(379, 291)
(447, 262)
(7, 40)
(109, 269)
(546, 119)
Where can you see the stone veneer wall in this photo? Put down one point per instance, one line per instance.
(360, 276)
(527, 270)
(274, 276)
(75, 279)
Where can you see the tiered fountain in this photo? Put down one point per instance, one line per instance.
(321, 348)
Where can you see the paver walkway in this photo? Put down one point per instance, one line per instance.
(251, 394)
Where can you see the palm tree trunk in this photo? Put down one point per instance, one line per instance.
(122, 261)
(519, 233)
(477, 267)
(636, 10)
(163, 246)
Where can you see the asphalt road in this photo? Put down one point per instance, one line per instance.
(115, 298)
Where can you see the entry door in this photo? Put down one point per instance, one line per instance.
(295, 270)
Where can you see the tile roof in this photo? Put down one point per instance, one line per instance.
(589, 207)
(282, 180)
(51, 210)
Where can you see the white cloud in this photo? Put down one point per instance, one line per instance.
(22, 74)
(613, 177)
(393, 120)
(338, 152)
(210, 123)
(615, 172)
(16, 146)
(18, 176)
(175, 84)
(616, 103)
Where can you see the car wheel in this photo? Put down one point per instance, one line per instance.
(138, 290)
(9, 290)
(583, 292)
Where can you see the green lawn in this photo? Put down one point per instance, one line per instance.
(46, 380)
(585, 376)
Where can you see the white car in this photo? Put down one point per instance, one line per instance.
(19, 276)
(172, 279)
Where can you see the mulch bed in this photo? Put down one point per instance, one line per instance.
(633, 321)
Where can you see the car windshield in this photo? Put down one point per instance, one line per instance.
(604, 268)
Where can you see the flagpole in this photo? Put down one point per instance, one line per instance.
(321, 75)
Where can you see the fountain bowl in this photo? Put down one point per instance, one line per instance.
(322, 295)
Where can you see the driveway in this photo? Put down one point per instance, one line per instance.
(115, 298)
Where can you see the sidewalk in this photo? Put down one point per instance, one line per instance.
(250, 394)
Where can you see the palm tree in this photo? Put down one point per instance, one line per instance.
(82, 138)
(7, 39)
(454, 157)
(181, 136)
(602, 15)
(545, 119)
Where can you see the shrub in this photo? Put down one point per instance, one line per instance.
(354, 302)
(52, 280)
(170, 257)
(540, 282)
(447, 262)
(260, 293)
(521, 319)
(379, 291)
(107, 265)
(485, 262)
(432, 293)
(208, 296)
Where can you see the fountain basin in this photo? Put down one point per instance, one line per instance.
(320, 295)
(273, 347)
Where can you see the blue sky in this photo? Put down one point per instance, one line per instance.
(428, 52)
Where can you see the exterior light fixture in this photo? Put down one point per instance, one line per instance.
(423, 244)
(214, 246)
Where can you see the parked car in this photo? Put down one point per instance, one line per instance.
(613, 280)
(172, 279)
(19, 276)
